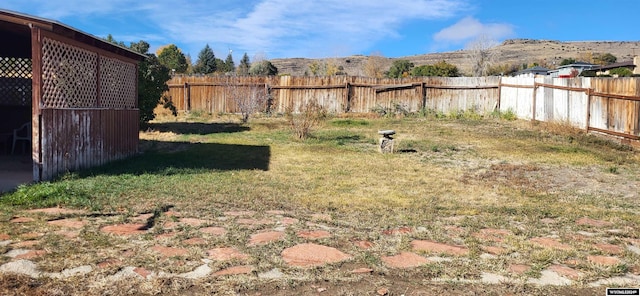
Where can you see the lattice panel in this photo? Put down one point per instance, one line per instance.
(15, 81)
(117, 84)
(68, 76)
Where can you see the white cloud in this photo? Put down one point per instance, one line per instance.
(470, 28)
(289, 28)
(280, 28)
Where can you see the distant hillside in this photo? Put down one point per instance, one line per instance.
(513, 51)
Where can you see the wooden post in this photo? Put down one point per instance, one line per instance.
(347, 87)
(187, 97)
(589, 91)
(423, 94)
(499, 94)
(533, 108)
(267, 93)
(36, 96)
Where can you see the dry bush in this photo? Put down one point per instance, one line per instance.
(306, 118)
(249, 99)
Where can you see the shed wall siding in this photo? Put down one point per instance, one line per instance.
(87, 113)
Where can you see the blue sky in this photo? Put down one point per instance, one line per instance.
(335, 28)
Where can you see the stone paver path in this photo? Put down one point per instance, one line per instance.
(275, 244)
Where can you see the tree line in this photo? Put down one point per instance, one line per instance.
(207, 63)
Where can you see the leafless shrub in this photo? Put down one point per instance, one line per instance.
(481, 56)
(249, 98)
(306, 118)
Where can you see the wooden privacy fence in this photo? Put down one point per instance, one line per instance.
(339, 94)
(607, 105)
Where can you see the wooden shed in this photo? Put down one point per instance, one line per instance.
(67, 95)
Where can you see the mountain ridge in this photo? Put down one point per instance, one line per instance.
(512, 51)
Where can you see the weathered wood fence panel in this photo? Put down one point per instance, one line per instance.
(516, 94)
(340, 94)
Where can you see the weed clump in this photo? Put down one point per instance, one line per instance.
(305, 119)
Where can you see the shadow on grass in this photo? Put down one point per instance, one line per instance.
(197, 128)
(170, 158)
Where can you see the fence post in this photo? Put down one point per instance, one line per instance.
(533, 108)
(589, 91)
(187, 97)
(499, 93)
(347, 88)
(423, 95)
(267, 91)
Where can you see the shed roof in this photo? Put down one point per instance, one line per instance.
(16, 24)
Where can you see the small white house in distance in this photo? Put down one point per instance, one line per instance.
(531, 72)
(571, 70)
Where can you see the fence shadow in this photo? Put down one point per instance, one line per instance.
(170, 158)
(197, 128)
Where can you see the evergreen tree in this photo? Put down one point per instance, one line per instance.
(206, 62)
(172, 58)
(229, 65)
(243, 68)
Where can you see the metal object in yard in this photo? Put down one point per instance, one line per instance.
(386, 142)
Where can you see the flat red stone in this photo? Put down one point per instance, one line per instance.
(109, 263)
(404, 260)
(124, 229)
(56, 211)
(305, 255)
(245, 269)
(223, 254)
(609, 248)
(21, 220)
(26, 244)
(314, 234)
(170, 251)
(4, 236)
(565, 271)
(593, 222)
(143, 272)
(68, 223)
(193, 221)
(604, 260)
(213, 230)
(32, 254)
(172, 214)
(435, 247)
(265, 237)
(68, 233)
(519, 268)
(548, 242)
(288, 221)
